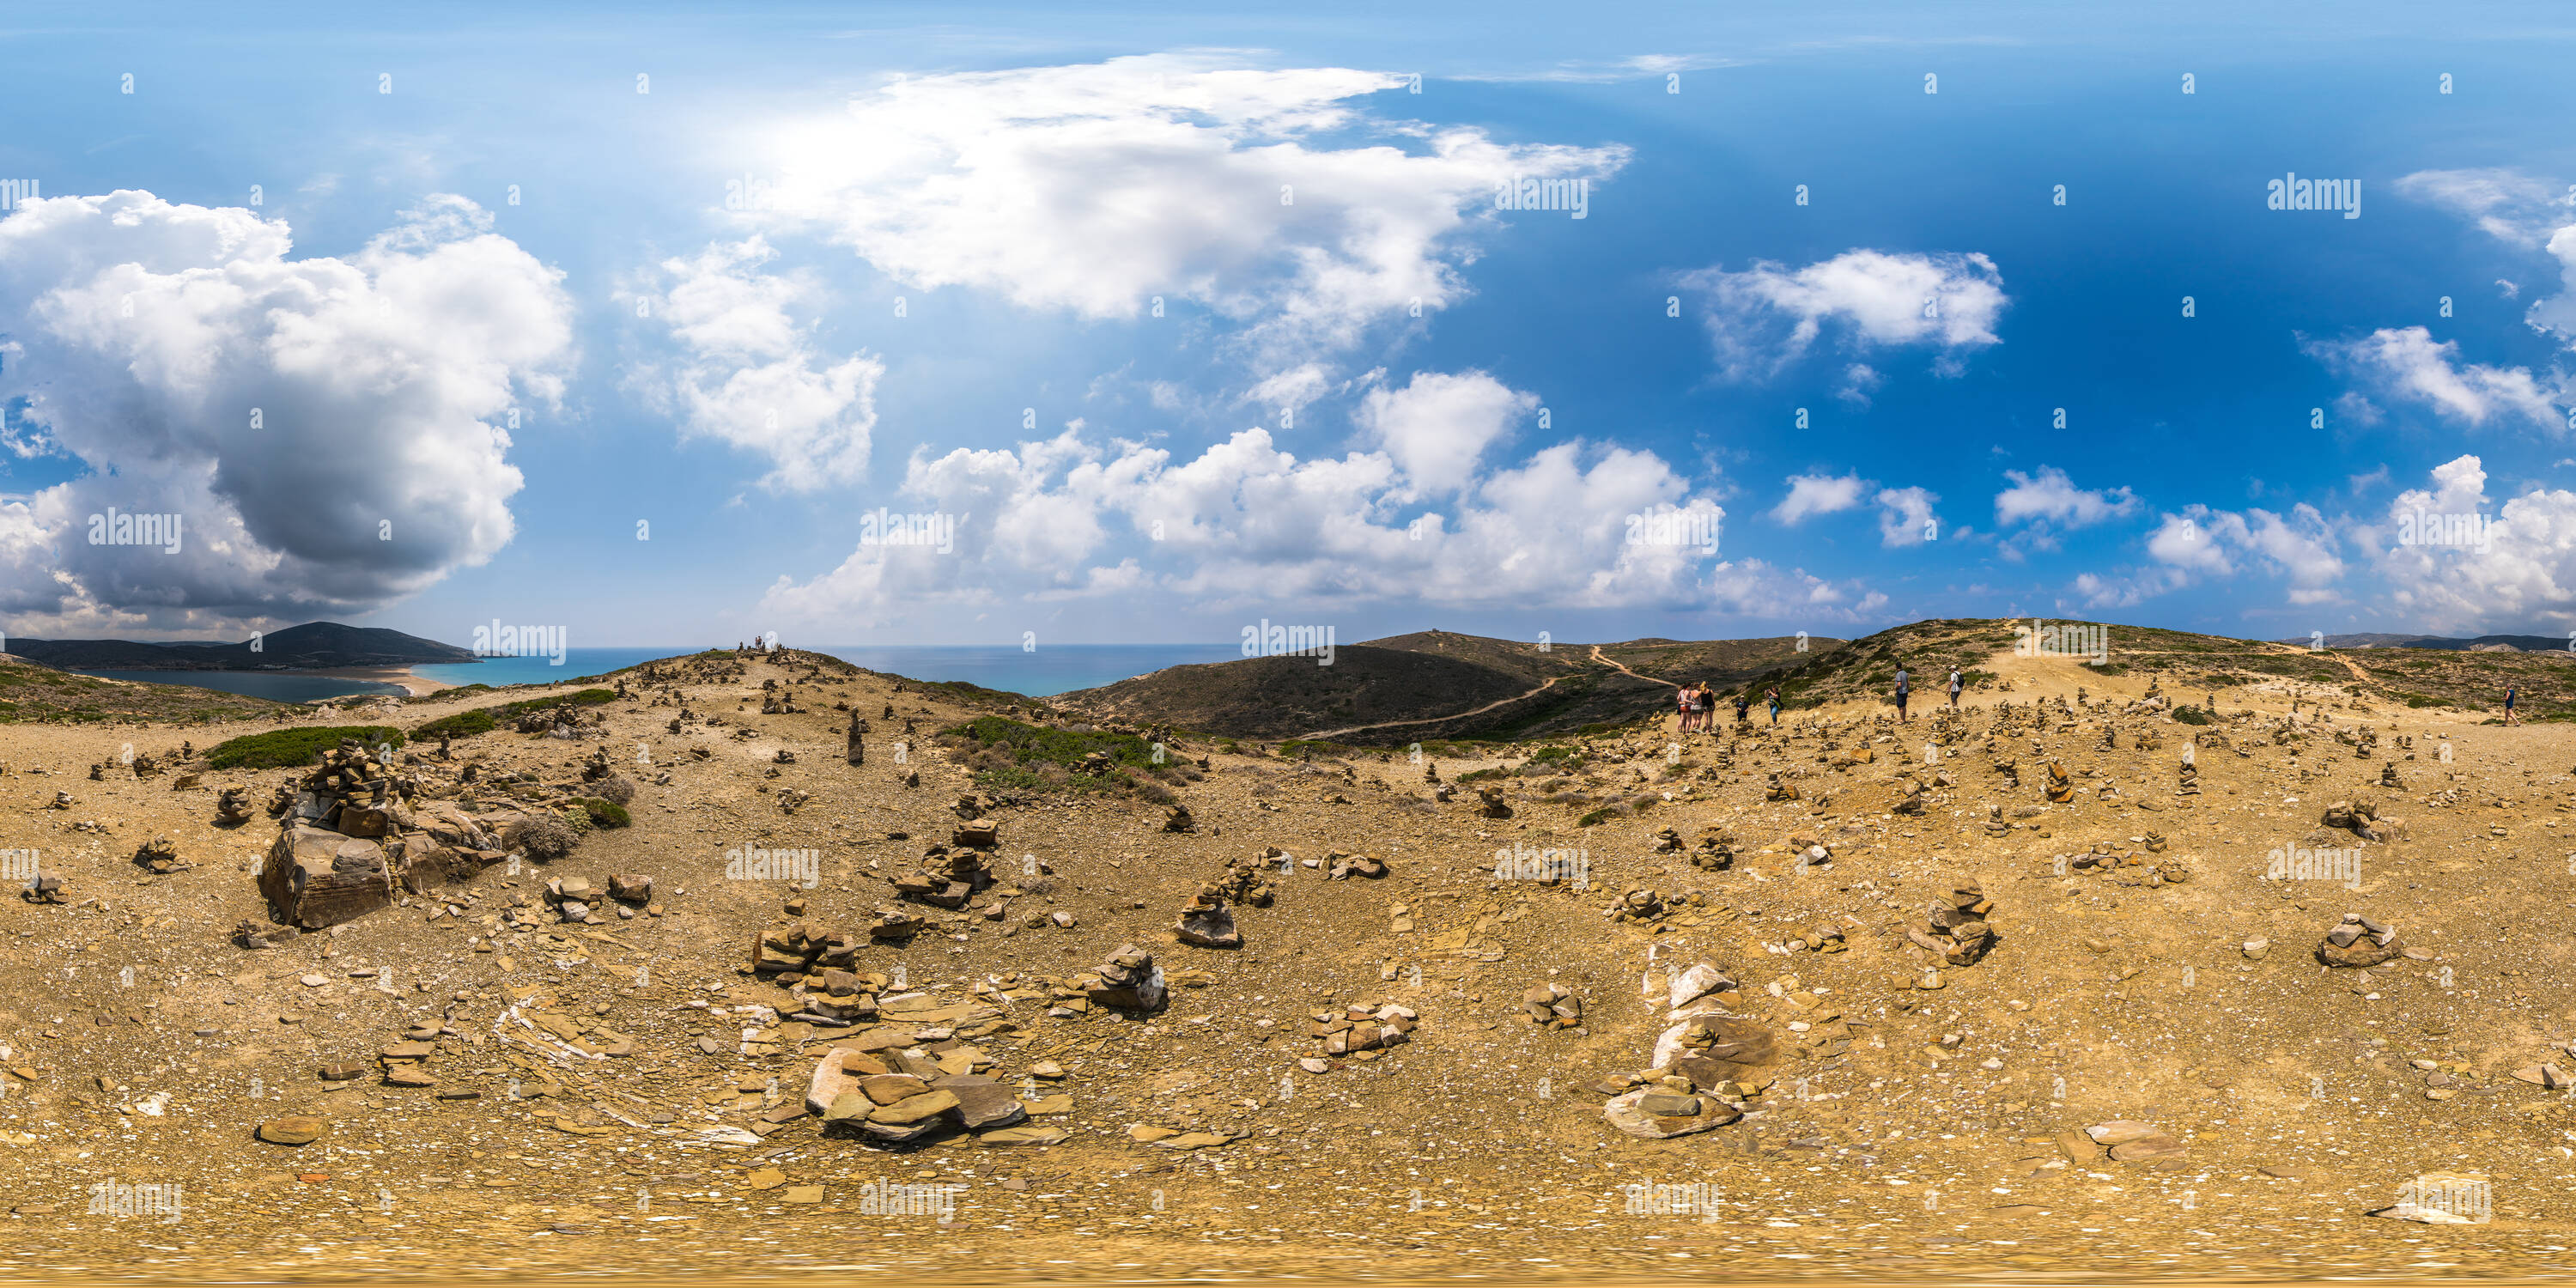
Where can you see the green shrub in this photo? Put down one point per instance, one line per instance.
(1598, 816)
(466, 724)
(606, 813)
(2192, 716)
(463, 724)
(282, 748)
(1034, 743)
(1009, 755)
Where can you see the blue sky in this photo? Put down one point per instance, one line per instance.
(1370, 398)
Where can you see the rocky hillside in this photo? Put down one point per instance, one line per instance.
(2517, 643)
(1434, 686)
(311, 646)
(32, 693)
(2186, 664)
(1725, 663)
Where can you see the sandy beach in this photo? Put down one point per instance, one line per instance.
(416, 686)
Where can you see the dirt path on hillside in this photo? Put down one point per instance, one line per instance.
(1597, 656)
(1454, 715)
(2347, 663)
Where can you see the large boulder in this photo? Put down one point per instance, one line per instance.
(315, 878)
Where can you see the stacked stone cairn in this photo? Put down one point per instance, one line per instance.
(2359, 941)
(1959, 932)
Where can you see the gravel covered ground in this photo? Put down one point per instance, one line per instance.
(622, 1096)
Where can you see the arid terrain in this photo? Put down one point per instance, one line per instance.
(1840, 998)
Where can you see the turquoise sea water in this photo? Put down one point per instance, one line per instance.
(578, 662)
(1040, 673)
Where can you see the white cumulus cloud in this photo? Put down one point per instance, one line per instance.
(2515, 570)
(331, 432)
(2048, 503)
(2408, 363)
(1767, 316)
(1245, 524)
(750, 375)
(1814, 494)
(1438, 426)
(1275, 198)
(2299, 547)
(1905, 516)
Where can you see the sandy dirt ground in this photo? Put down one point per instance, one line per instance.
(620, 1098)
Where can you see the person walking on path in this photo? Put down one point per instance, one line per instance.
(2509, 717)
(1901, 717)
(1954, 688)
(1682, 700)
(1772, 695)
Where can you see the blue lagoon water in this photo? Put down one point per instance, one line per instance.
(276, 686)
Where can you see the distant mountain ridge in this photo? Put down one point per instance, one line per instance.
(309, 647)
(2518, 643)
(1435, 684)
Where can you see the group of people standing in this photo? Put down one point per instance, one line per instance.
(1698, 704)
